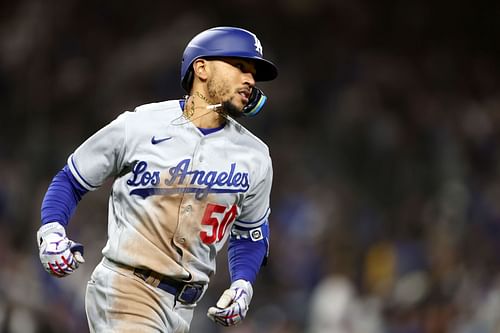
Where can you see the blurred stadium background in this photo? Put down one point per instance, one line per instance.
(384, 127)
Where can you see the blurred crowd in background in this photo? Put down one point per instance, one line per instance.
(383, 125)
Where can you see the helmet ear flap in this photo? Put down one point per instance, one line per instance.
(187, 82)
(256, 102)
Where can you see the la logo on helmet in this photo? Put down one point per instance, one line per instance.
(258, 45)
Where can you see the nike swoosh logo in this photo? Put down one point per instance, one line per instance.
(157, 141)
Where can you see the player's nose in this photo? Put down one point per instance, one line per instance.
(249, 79)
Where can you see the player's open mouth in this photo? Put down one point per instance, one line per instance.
(245, 94)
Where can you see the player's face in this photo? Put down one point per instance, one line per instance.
(231, 82)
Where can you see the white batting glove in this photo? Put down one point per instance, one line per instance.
(59, 255)
(233, 305)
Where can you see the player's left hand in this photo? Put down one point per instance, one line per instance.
(232, 306)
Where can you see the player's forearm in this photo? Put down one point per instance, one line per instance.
(245, 258)
(61, 198)
(246, 255)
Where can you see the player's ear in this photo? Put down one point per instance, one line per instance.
(200, 69)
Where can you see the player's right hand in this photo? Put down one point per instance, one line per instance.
(58, 255)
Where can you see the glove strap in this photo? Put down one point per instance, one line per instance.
(247, 286)
(49, 228)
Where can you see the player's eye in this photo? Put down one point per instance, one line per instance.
(244, 68)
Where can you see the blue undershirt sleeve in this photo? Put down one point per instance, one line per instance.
(61, 198)
(246, 256)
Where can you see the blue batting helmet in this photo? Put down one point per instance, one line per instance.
(226, 42)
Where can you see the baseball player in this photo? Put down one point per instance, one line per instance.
(187, 178)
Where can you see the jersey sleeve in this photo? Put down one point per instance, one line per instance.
(100, 156)
(255, 209)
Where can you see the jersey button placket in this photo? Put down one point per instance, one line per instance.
(200, 151)
(188, 209)
(185, 214)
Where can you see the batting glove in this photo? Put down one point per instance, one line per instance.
(59, 255)
(232, 306)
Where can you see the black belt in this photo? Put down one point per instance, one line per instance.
(186, 293)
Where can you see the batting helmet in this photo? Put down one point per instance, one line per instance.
(226, 42)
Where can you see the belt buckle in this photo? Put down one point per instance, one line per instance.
(197, 287)
(141, 274)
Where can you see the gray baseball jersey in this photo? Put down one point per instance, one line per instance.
(177, 192)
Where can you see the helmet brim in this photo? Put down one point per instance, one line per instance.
(265, 70)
